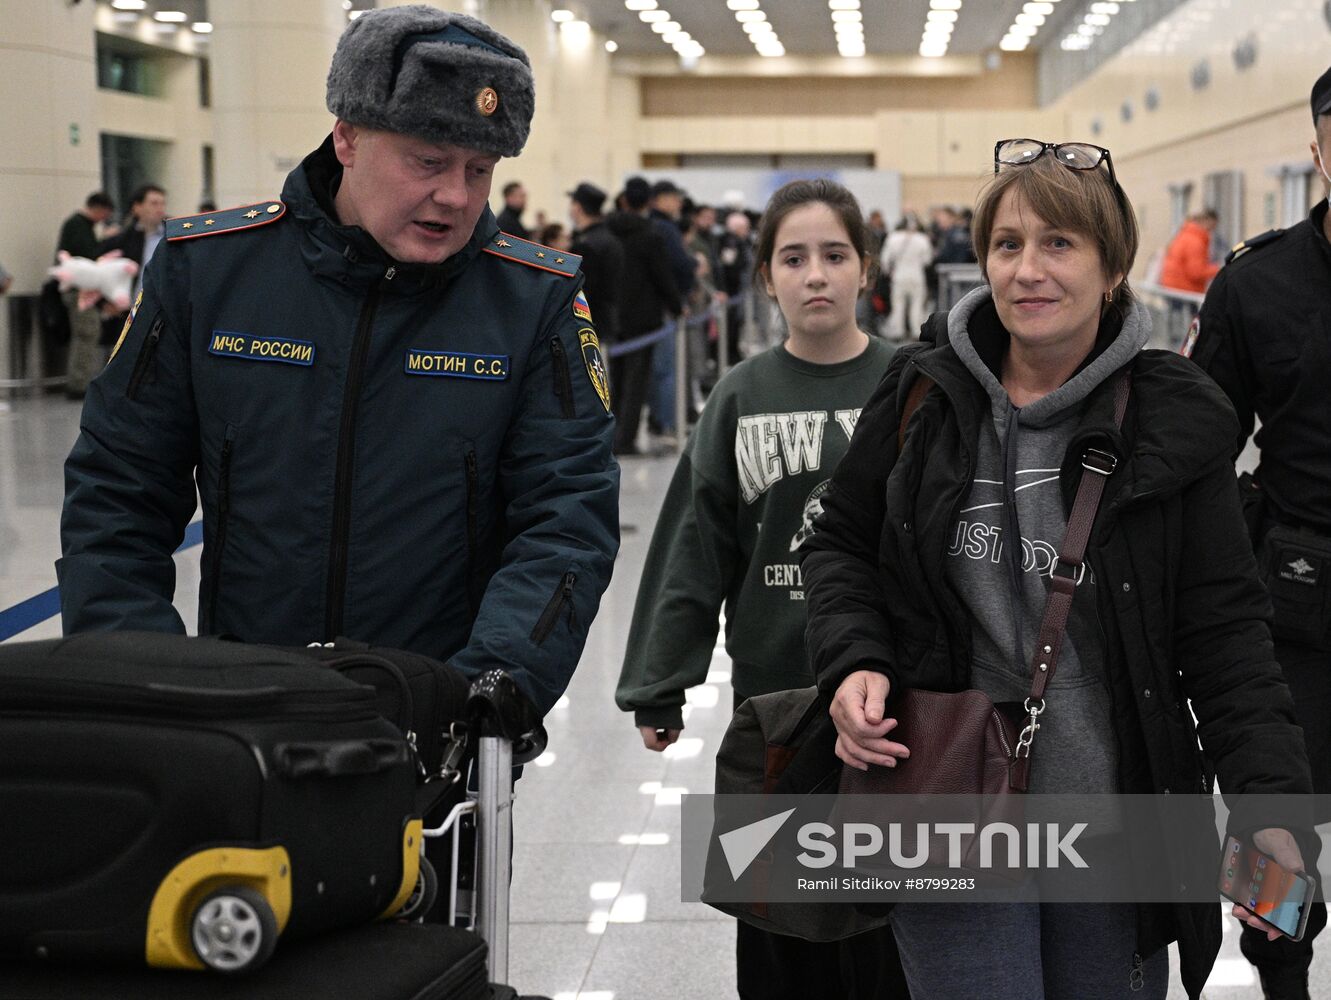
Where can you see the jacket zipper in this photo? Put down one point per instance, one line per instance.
(947, 604)
(472, 531)
(223, 512)
(346, 465)
(550, 616)
(563, 384)
(1002, 734)
(143, 363)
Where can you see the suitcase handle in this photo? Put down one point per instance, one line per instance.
(338, 759)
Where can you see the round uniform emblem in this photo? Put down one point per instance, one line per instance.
(487, 101)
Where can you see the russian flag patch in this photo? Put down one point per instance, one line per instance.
(580, 307)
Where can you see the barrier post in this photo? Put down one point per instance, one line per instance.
(681, 382)
(722, 339)
(748, 332)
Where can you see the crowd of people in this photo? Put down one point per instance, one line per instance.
(653, 257)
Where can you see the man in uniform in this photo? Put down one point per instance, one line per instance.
(1264, 334)
(396, 417)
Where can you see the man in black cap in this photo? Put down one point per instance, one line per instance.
(667, 203)
(1264, 334)
(396, 416)
(602, 257)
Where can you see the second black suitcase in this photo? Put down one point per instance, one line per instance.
(183, 802)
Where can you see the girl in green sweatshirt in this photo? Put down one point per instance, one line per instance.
(740, 504)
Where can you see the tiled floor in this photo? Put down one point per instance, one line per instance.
(596, 893)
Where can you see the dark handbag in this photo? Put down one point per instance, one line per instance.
(961, 743)
(781, 743)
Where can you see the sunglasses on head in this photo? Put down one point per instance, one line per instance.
(1073, 155)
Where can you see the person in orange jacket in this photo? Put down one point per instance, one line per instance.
(1188, 265)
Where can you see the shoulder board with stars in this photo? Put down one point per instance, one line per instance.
(534, 254)
(228, 220)
(1253, 243)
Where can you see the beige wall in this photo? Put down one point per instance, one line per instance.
(1011, 85)
(48, 83)
(175, 118)
(586, 121)
(1251, 120)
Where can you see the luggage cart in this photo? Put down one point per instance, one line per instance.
(509, 733)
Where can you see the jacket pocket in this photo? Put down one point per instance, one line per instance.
(473, 528)
(144, 369)
(1296, 567)
(561, 599)
(223, 515)
(563, 380)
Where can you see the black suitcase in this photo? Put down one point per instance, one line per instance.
(424, 697)
(185, 802)
(386, 961)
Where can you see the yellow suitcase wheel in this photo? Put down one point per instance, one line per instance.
(233, 930)
(422, 898)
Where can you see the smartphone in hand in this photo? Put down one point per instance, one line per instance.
(1276, 896)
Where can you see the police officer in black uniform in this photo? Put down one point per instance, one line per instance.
(396, 417)
(1264, 334)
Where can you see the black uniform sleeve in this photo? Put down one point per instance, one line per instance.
(560, 485)
(129, 488)
(848, 628)
(1222, 351)
(1245, 716)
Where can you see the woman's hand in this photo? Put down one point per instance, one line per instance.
(658, 739)
(1281, 845)
(857, 710)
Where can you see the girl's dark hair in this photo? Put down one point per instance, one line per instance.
(796, 194)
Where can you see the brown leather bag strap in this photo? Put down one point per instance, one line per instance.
(918, 389)
(1068, 570)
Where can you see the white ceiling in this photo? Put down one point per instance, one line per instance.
(891, 27)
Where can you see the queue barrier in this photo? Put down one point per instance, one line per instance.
(46, 605)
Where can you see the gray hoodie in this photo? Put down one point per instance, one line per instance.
(1018, 458)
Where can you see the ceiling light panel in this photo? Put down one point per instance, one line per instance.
(1093, 23)
(938, 26)
(848, 26)
(1026, 25)
(671, 31)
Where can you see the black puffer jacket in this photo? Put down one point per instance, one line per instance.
(647, 293)
(1184, 614)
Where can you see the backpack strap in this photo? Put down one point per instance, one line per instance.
(918, 389)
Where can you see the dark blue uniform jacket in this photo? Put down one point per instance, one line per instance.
(417, 456)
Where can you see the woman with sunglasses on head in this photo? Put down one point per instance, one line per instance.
(1028, 385)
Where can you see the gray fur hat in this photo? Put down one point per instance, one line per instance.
(439, 76)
